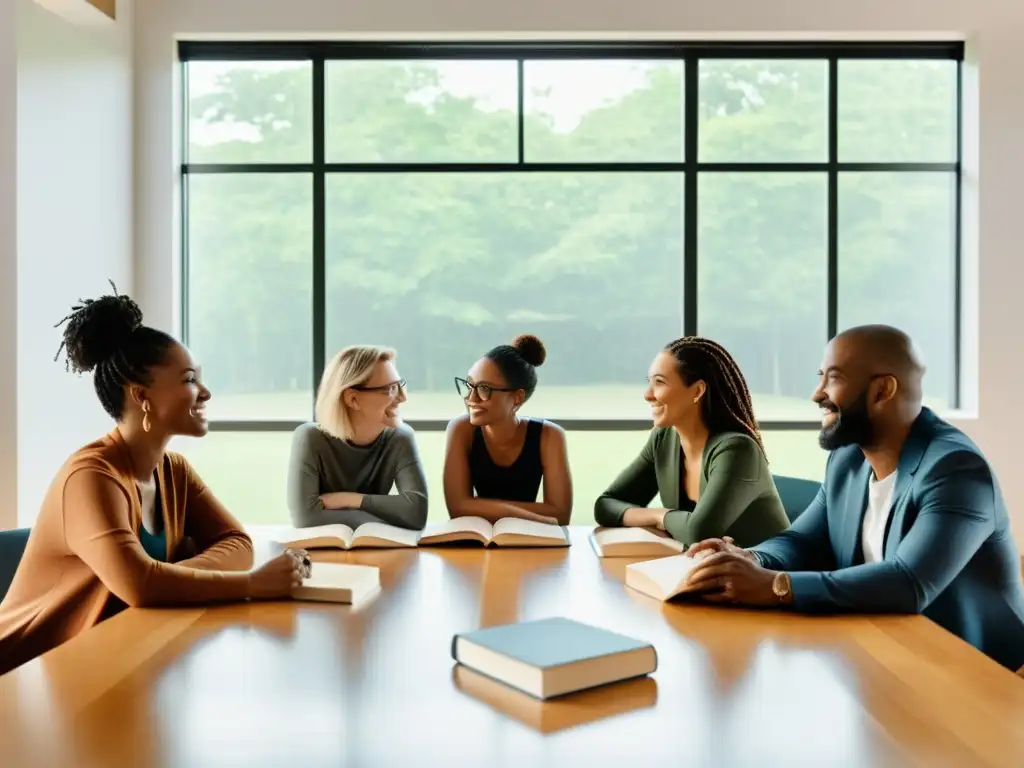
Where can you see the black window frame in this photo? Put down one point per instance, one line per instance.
(690, 53)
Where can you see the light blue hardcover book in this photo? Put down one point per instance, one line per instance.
(552, 657)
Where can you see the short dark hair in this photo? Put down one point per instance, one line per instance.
(519, 360)
(107, 335)
(726, 405)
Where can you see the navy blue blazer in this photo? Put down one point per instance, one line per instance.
(948, 550)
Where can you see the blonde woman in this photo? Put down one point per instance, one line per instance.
(344, 465)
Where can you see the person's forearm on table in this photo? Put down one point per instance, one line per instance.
(493, 510)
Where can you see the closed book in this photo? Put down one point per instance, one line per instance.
(663, 578)
(339, 583)
(633, 542)
(552, 657)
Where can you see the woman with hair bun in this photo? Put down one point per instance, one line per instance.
(126, 522)
(496, 461)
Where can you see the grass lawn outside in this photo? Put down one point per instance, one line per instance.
(248, 471)
(594, 402)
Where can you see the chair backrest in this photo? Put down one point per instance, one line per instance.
(796, 494)
(12, 547)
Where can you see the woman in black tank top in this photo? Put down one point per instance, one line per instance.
(497, 462)
(518, 481)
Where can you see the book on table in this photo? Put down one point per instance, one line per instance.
(506, 532)
(547, 658)
(633, 542)
(340, 536)
(663, 578)
(339, 583)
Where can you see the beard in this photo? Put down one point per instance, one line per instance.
(852, 426)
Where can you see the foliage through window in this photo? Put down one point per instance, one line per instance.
(609, 203)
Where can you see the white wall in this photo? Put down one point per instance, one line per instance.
(994, 153)
(74, 217)
(8, 269)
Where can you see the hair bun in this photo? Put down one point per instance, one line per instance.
(530, 348)
(97, 328)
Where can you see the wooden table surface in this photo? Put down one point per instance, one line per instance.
(289, 684)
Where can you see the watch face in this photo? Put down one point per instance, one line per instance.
(779, 585)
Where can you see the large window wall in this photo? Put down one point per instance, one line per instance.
(609, 198)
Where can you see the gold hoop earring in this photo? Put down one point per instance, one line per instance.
(145, 416)
(696, 399)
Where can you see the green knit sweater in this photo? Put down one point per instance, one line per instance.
(737, 493)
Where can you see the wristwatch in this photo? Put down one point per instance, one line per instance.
(781, 585)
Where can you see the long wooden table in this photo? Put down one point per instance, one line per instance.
(289, 684)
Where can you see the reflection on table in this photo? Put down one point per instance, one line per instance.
(321, 684)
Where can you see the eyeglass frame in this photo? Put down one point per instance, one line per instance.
(476, 388)
(401, 385)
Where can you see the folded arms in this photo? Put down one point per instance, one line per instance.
(733, 469)
(557, 480)
(310, 504)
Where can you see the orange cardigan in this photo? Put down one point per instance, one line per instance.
(84, 561)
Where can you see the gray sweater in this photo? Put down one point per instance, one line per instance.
(321, 463)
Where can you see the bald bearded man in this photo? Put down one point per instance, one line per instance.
(909, 518)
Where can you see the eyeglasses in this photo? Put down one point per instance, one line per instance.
(483, 391)
(391, 390)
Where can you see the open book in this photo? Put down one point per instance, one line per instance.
(339, 583)
(507, 532)
(663, 578)
(339, 536)
(633, 542)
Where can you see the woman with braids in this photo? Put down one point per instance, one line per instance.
(704, 457)
(500, 456)
(125, 522)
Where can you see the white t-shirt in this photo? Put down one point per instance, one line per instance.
(872, 536)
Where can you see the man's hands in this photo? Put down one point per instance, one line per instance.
(724, 544)
(730, 574)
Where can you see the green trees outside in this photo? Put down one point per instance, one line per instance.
(445, 265)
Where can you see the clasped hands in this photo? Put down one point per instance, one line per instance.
(726, 573)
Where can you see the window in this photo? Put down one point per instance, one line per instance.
(482, 257)
(421, 111)
(250, 256)
(442, 198)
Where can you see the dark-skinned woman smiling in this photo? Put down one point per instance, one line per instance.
(704, 457)
(126, 522)
(496, 461)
